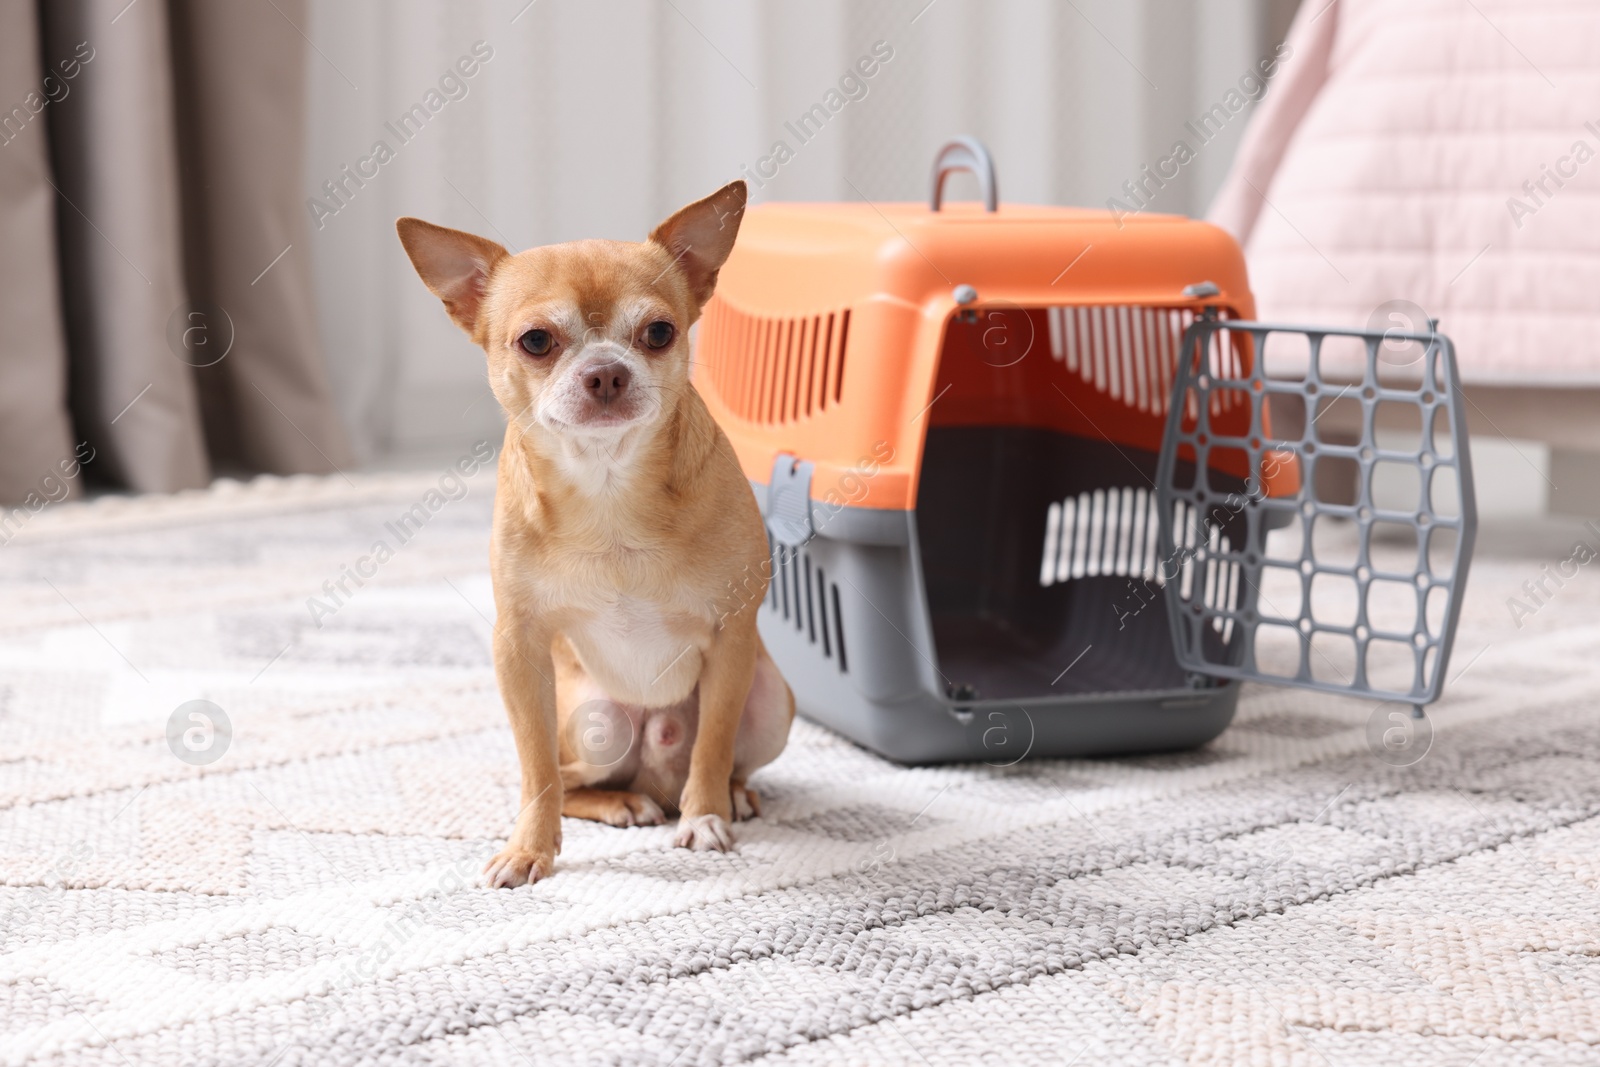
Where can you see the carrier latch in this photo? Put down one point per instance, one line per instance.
(789, 501)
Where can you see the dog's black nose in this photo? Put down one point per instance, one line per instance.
(606, 382)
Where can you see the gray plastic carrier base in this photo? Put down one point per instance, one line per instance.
(922, 730)
(847, 622)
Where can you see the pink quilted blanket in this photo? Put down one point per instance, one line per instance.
(1444, 153)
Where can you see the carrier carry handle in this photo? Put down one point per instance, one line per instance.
(968, 154)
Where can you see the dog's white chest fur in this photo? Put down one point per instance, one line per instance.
(598, 464)
(636, 653)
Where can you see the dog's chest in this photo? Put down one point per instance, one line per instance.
(639, 651)
(638, 614)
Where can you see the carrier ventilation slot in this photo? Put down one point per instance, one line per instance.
(775, 370)
(1116, 532)
(1106, 531)
(1131, 353)
(802, 595)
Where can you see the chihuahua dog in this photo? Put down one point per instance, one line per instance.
(627, 542)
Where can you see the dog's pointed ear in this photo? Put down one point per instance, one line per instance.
(454, 265)
(701, 235)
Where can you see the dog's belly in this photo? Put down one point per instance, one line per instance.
(647, 750)
(637, 654)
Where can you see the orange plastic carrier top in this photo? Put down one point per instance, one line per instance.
(834, 328)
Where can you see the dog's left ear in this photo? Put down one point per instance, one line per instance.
(701, 235)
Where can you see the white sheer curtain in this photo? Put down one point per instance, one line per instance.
(595, 118)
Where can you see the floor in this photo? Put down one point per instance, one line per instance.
(291, 877)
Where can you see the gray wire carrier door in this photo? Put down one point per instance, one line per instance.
(1352, 585)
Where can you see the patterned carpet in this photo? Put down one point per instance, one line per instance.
(303, 890)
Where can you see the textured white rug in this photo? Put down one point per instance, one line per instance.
(309, 896)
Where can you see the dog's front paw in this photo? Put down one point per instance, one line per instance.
(704, 833)
(512, 867)
(746, 805)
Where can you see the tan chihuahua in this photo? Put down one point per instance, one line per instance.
(628, 552)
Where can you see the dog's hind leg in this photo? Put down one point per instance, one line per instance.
(746, 804)
(600, 739)
(615, 807)
(763, 731)
(764, 723)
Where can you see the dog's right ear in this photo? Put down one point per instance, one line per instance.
(454, 265)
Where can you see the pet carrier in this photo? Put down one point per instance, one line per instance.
(1019, 466)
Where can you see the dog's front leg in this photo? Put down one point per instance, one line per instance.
(523, 667)
(707, 804)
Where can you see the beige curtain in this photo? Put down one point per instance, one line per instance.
(155, 298)
(597, 119)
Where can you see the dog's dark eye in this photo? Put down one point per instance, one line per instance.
(659, 334)
(537, 342)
